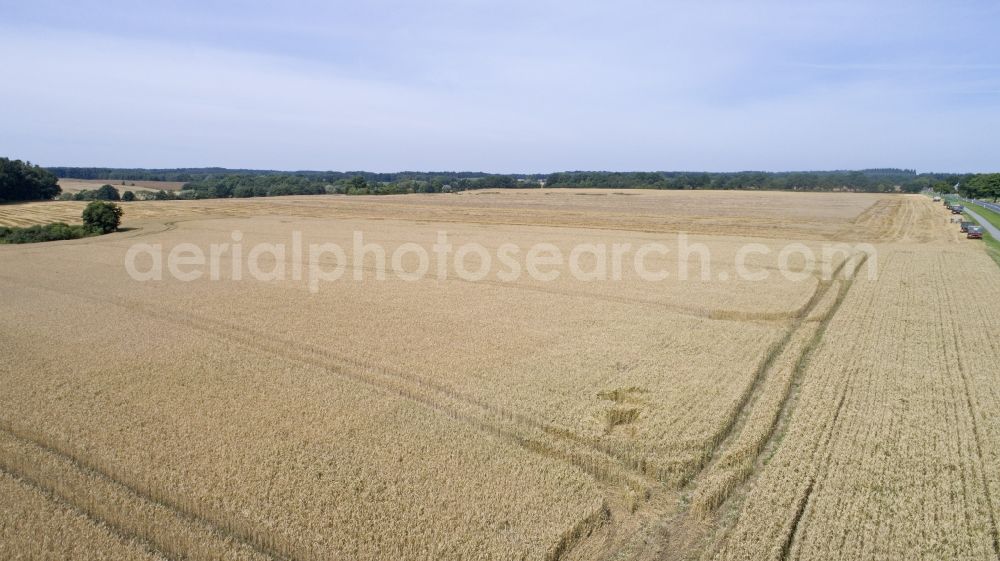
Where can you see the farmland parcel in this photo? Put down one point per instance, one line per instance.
(707, 415)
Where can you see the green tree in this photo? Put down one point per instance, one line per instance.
(128, 196)
(102, 217)
(107, 193)
(21, 181)
(358, 184)
(982, 186)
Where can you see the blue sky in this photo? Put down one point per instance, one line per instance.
(513, 86)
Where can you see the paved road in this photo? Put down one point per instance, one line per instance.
(991, 206)
(993, 230)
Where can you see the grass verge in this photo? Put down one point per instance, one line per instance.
(992, 244)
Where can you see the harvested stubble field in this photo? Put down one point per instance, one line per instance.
(712, 418)
(75, 185)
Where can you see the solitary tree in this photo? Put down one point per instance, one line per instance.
(102, 217)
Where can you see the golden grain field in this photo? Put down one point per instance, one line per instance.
(709, 418)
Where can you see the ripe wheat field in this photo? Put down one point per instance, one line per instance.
(442, 418)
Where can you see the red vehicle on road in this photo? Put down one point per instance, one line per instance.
(974, 233)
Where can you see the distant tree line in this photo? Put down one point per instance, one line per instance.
(22, 181)
(201, 183)
(869, 180)
(224, 186)
(187, 175)
(272, 185)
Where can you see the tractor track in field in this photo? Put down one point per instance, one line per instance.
(72, 479)
(977, 437)
(587, 455)
(159, 522)
(122, 534)
(609, 466)
(690, 544)
(477, 412)
(752, 394)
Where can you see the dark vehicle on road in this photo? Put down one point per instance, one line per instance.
(974, 233)
(965, 226)
(957, 209)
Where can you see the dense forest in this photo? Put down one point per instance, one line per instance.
(221, 182)
(21, 181)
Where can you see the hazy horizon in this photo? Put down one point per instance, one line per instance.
(503, 88)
